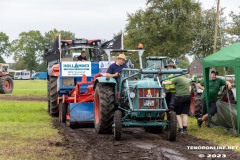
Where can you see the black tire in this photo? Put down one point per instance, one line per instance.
(53, 96)
(172, 127)
(69, 124)
(48, 96)
(196, 104)
(103, 108)
(118, 125)
(62, 112)
(6, 84)
(228, 96)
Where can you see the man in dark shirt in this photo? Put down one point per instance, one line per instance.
(115, 68)
(214, 87)
(82, 57)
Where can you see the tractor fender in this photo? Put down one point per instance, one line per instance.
(104, 80)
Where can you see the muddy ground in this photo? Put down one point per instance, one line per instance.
(83, 143)
(22, 98)
(136, 144)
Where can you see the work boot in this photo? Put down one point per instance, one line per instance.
(184, 129)
(199, 122)
(180, 130)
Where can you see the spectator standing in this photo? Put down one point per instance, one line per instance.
(182, 101)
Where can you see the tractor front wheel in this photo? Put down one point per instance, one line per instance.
(6, 84)
(103, 108)
(118, 125)
(172, 126)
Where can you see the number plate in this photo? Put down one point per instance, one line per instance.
(148, 102)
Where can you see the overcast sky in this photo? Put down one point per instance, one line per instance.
(87, 19)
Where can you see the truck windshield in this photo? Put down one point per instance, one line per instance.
(72, 54)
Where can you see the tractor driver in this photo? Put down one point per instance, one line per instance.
(82, 57)
(115, 68)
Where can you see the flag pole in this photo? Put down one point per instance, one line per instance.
(122, 47)
(59, 46)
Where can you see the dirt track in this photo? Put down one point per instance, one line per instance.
(136, 144)
(22, 98)
(84, 144)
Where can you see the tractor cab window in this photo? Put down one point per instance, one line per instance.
(4, 68)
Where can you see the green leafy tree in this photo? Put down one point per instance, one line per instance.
(2, 60)
(19, 63)
(4, 44)
(28, 49)
(234, 26)
(42, 67)
(183, 62)
(165, 27)
(202, 45)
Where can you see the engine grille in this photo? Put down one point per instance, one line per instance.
(148, 98)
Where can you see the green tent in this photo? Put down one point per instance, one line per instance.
(227, 57)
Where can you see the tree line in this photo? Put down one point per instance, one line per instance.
(174, 28)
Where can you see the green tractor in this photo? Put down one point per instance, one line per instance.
(137, 100)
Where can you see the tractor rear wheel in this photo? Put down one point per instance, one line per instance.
(172, 126)
(196, 104)
(118, 125)
(228, 96)
(48, 96)
(62, 112)
(53, 96)
(103, 108)
(6, 84)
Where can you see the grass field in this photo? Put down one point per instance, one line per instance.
(218, 135)
(26, 129)
(30, 87)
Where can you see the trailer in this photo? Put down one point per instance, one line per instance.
(22, 74)
(40, 75)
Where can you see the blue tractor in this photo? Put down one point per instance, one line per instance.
(137, 100)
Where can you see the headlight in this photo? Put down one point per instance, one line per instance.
(132, 95)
